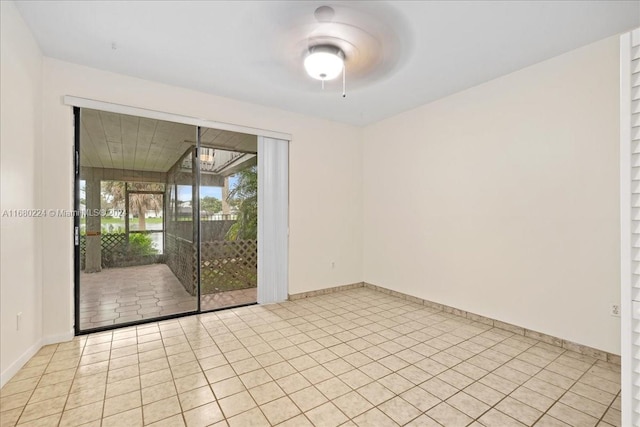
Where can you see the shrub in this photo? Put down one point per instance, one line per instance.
(141, 244)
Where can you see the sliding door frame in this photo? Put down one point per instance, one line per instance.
(196, 207)
(110, 107)
(77, 104)
(76, 219)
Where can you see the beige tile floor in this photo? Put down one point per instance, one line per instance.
(120, 295)
(357, 357)
(228, 299)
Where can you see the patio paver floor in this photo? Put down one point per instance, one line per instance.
(120, 295)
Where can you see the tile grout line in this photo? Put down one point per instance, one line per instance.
(502, 364)
(478, 353)
(562, 395)
(173, 379)
(564, 350)
(411, 364)
(429, 357)
(601, 420)
(490, 372)
(35, 388)
(229, 363)
(329, 317)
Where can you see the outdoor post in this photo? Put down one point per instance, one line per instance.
(93, 255)
(195, 216)
(225, 194)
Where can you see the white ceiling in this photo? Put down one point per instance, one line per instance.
(252, 51)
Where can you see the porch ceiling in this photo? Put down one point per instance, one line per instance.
(118, 141)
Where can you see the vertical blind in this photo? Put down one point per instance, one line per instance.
(630, 224)
(273, 219)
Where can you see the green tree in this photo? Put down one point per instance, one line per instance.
(141, 203)
(244, 196)
(112, 193)
(210, 205)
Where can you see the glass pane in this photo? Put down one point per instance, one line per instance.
(132, 268)
(181, 242)
(112, 195)
(228, 219)
(146, 222)
(146, 211)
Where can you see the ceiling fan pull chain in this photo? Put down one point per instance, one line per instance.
(344, 81)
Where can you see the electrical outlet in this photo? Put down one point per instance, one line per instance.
(615, 310)
(18, 321)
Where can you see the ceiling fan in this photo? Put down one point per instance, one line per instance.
(367, 40)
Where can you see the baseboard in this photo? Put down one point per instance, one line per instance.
(19, 363)
(55, 339)
(546, 338)
(31, 351)
(301, 295)
(549, 339)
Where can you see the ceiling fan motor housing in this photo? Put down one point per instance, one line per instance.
(324, 62)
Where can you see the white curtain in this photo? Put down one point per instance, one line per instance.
(273, 219)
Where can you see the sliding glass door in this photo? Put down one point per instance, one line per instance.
(228, 219)
(168, 219)
(127, 270)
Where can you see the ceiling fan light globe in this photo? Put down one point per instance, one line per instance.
(323, 65)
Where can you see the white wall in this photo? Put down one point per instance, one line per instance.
(502, 200)
(20, 137)
(325, 178)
